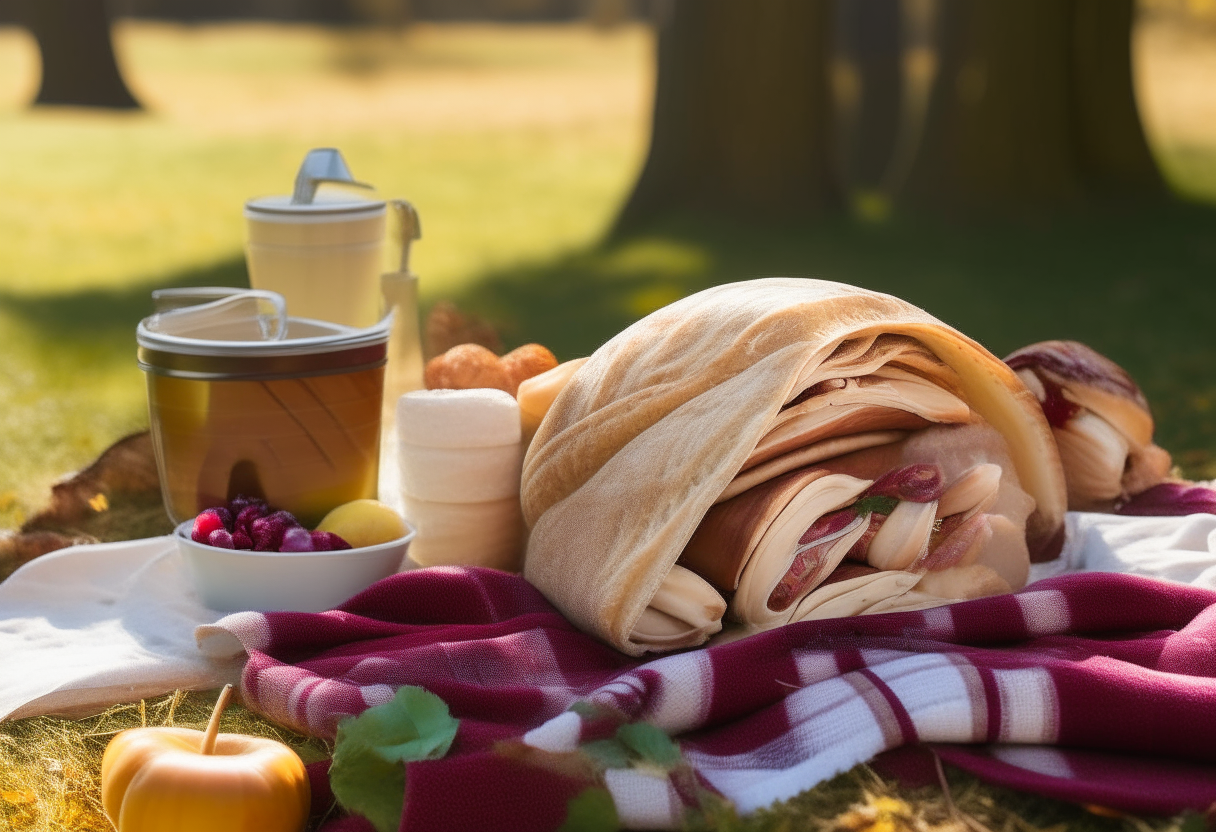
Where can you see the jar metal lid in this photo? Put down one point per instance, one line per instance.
(310, 348)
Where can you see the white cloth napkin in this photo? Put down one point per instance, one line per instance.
(90, 626)
(1179, 549)
(87, 627)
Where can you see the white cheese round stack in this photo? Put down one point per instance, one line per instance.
(461, 458)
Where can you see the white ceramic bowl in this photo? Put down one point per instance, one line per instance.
(232, 580)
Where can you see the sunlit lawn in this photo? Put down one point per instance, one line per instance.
(512, 146)
(517, 145)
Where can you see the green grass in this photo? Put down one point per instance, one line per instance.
(493, 138)
(50, 767)
(859, 800)
(516, 145)
(1136, 284)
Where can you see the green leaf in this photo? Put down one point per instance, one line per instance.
(368, 771)
(875, 505)
(591, 810)
(607, 753)
(369, 785)
(650, 743)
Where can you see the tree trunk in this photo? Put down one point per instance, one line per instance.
(1112, 148)
(868, 88)
(1033, 106)
(78, 63)
(742, 112)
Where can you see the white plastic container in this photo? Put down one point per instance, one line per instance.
(468, 534)
(460, 462)
(461, 475)
(234, 580)
(325, 257)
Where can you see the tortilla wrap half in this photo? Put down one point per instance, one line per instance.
(651, 432)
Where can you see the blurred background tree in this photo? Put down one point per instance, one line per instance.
(743, 119)
(77, 52)
(79, 67)
(938, 104)
(868, 75)
(1033, 104)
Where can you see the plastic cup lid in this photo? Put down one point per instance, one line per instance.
(324, 203)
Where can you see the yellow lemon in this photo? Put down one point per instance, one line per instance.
(364, 523)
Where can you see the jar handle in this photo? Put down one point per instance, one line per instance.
(181, 310)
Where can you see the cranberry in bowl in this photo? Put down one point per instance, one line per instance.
(245, 556)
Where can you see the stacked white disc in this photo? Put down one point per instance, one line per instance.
(461, 459)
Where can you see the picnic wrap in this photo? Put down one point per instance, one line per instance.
(1094, 687)
(656, 427)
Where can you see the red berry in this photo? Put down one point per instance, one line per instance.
(267, 532)
(328, 542)
(240, 540)
(208, 520)
(246, 516)
(225, 515)
(220, 538)
(296, 539)
(240, 502)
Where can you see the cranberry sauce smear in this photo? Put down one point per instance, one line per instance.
(1171, 499)
(805, 562)
(862, 547)
(1057, 409)
(831, 524)
(808, 566)
(918, 483)
(847, 571)
(956, 543)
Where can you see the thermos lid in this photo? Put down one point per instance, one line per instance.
(321, 165)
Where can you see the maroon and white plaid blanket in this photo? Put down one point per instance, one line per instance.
(1098, 688)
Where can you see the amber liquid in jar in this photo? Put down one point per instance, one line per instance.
(302, 444)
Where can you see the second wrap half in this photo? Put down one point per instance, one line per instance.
(742, 388)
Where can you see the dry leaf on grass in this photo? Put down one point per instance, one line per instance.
(117, 497)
